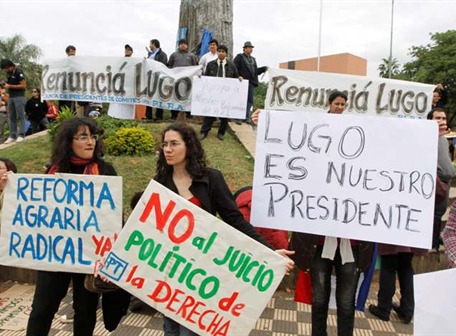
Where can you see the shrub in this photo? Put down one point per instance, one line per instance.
(110, 125)
(130, 141)
(64, 113)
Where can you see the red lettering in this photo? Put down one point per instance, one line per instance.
(98, 243)
(161, 285)
(226, 303)
(236, 308)
(194, 312)
(103, 245)
(172, 226)
(200, 320)
(160, 217)
(174, 299)
(188, 302)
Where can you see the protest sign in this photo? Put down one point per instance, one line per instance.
(219, 97)
(15, 307)
(435, 298)
(60, 222)
(293, 90)
(192, 267)
(346, 176)
(123, 80)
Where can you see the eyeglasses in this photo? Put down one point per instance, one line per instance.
(86, 138)
(172, 144)
(34, 91)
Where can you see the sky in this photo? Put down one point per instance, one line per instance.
(280, 30)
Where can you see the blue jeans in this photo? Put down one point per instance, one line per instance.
(346, 283)
(250, 96)
(16, 113)
(172, 328)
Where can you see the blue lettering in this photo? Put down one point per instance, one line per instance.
(72, 189)
(35, 190)
(59, 199)
(22, 183)
(92, 221)
(81, 253)
(105, 194)
(69, 251)
(89, 187)
(54, 247)
(18, 218)
(15, 240)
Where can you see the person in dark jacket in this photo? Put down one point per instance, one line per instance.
(77, 150)
(182, 168)
(221, 67)
(156, 54)
(36, 110)
(248, 69)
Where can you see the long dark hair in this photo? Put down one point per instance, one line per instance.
(10, 166)
(195, 156)
(62, 151)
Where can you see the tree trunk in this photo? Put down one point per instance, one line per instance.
(217, 16)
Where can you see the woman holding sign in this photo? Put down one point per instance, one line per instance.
(182, 168)
(319, 255)
(77, 150)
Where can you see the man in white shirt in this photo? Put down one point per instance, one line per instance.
(210, 55)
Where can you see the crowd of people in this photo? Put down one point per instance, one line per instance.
(182, 168)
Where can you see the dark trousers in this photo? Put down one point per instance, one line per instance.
(439, 211)
(401, 264)
(347, 276)
(207, 125)
(158, 113)
(51, 288)
(172, 328)
(250, 95)
(175, 113)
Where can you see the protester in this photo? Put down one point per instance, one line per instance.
(439, 96)
(36, 111)
(445, 171)
(6, 167)
(181, 58)
(70, 51)
(183, 169)
(318, 256)
(221, 67)
(77, 150)
(156, 54)
(210, 56)
(16, 86)
(248, 69)
(128, 50)
(3, 113)
(449, 237)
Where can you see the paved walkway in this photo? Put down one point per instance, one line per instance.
(282, 316)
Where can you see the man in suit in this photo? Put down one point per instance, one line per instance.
(248, 69)
(220, 67)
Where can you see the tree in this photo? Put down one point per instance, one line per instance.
(217, 16)
(25, 56)
(384, 67)
(435, 63)
(260, 96)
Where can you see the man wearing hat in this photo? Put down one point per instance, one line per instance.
(220, 67)
(248, 69)
(128, 50)
(181, 58)
(16, 86)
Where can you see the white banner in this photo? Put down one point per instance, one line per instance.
(125, 80)
(219, 97)
(346, 176)
(193, 267)
(294, 90)
(435, 303)
(60, 222)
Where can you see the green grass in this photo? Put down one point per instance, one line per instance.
(229, 156)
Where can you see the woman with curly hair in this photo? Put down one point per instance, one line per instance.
(77, 150)
(182, 168)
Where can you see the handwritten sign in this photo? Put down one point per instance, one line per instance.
(60, 222)
(15, 307)
(193, 267)
(346, 176)
(123, 80)
(435, 297)
(293, 90)
(219, 97)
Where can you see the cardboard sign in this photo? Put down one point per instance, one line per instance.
(346, 176)
(193, 267)
(60, 222)
(293, 90)
(219, 97)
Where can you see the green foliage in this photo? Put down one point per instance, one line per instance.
(435, 63)
(25, 56)
(64, 113)
(130, 141)
(111, 125)
(384, 67)
(260, 96)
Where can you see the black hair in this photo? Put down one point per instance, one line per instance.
(336, 94)
(10, 166)
(155, 42)
(214, 41)
(70, 47)
(430, 115)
